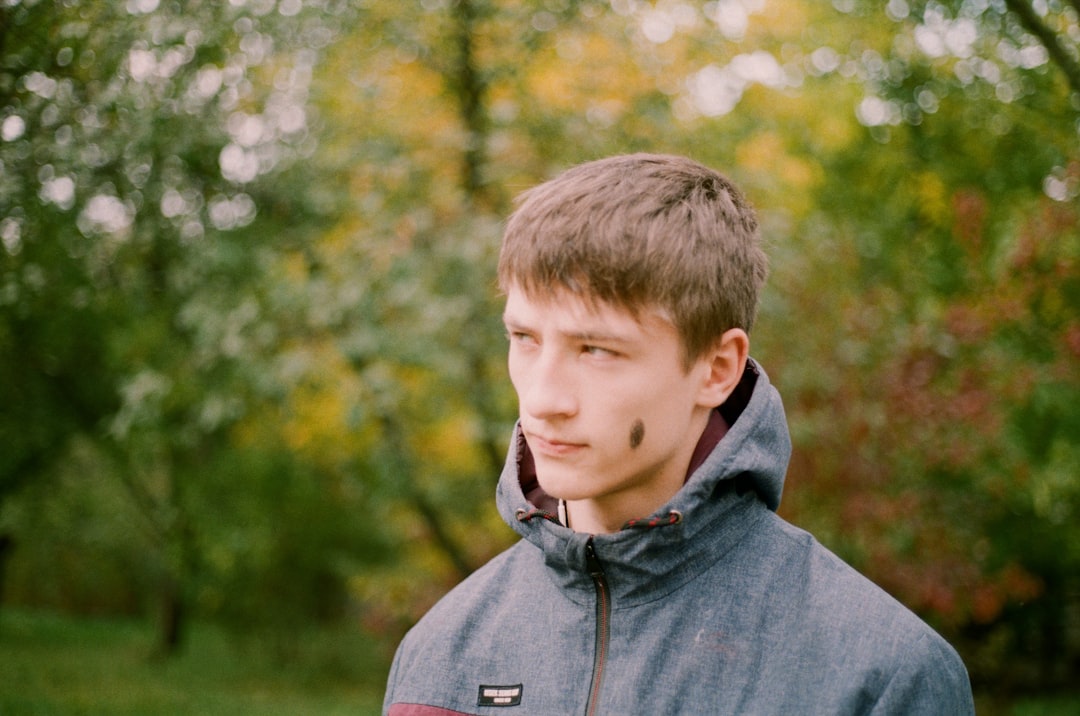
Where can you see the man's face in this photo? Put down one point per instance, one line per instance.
(608, 409)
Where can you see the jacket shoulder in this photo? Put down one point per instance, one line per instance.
(907, 667)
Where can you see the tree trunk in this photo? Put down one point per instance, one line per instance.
(7, 546)
(173, 626)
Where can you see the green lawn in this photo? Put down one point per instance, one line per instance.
(97, 667)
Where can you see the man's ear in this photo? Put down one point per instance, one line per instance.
(724, 364)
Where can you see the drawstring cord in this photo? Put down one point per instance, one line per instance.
(524, 515)
(673, 517)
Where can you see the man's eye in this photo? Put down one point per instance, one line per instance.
(598, 351)
(518, 337)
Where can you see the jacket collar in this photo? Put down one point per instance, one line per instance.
(733, 478)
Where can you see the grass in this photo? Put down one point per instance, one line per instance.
(55, 665)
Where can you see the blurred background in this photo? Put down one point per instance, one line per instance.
(253, 402)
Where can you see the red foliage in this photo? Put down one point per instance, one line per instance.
(969, 219)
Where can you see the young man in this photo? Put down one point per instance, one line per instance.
(654, 576)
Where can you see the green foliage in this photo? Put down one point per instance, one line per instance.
(929, 450)
(81, 546)
(281, 538)
(139, 149)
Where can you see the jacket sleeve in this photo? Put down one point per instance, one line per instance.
(388, 697)
(930, 680)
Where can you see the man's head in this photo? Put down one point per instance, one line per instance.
(640, 232)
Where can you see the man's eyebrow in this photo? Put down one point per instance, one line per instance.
(596, 337)
(587, 336)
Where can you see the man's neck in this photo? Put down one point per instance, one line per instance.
(608, 514)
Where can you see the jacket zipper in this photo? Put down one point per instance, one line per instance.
(603, 613)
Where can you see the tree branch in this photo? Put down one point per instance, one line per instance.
(1057, 50)
(471, 94)
(433, 518)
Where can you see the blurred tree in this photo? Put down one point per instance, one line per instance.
(54, 380)
(945, 289)
(139, 143)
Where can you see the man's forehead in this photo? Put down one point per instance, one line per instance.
(583, 311)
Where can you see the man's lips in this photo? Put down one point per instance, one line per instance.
(552, 446)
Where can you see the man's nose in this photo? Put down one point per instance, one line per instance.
(551, 389)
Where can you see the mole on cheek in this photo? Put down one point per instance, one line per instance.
(637, 434)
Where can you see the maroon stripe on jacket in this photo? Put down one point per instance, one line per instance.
(422, 710)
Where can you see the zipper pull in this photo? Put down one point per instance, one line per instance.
(592, 562)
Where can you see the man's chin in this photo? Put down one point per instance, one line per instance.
(564, 484)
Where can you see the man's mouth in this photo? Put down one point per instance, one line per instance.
(552, 446)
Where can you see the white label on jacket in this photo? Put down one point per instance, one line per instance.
(499, 695)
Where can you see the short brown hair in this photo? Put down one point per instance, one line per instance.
(642, 230)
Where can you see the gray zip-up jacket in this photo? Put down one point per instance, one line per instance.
(713, 605)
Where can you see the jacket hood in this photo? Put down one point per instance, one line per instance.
(744, 471)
